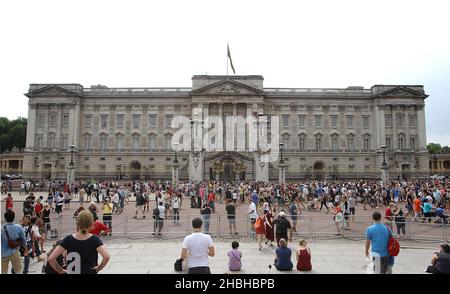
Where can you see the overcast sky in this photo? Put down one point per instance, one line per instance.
(164, 43)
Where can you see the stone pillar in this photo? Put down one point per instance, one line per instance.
(379, 126)
(31, 125)
(175, 167)
(196, 155)
(282, 173)
(421, 130)
(59, 120)
(407, 131)
(234, 125)
(76, 126)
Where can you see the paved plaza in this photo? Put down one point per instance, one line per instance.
(140, 252)
(327, 258)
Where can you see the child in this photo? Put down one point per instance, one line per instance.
(234, 262)
(303, 257)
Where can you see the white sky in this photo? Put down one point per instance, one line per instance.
(164, 43)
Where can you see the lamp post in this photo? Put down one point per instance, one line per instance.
(282, 166)
(175, 165)
(71, 167)
(384, 166)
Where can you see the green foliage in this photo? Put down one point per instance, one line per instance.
(434, 148)
(13, 133)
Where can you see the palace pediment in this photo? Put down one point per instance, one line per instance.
(51, 91)
(401, 91)
(227, 88)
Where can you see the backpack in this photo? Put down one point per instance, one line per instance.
(281, 227)
(393, 244)
(258, 223)
(156, 213)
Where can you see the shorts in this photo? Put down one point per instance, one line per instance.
(58, 209)
(232, 221)
(352, 210)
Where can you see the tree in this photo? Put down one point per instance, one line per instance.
(13, 133)
(445, 150)
(434, 148)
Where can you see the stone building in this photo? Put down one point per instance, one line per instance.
(126, 132)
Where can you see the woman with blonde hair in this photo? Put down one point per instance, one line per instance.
(260, 228)
(82, 249)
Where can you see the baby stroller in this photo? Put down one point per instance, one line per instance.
(442, 218)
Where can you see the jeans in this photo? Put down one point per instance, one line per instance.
(176, 214)
(206, 219)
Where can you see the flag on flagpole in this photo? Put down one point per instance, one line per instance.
(231, 61)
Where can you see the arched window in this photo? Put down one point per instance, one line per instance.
(285, 140)
(335, 142)
(152, 141)
(351, 142)
(103, 143)
(136, 141)
(87, 141)
(120, 142)
(168, 141)
(401, 141)
(366, 142)
(302, 142)
(318, 141)
(52, 140)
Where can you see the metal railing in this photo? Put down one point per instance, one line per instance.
(310, 227)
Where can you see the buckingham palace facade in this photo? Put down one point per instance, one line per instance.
(122, 133)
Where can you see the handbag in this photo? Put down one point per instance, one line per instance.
(178, 265)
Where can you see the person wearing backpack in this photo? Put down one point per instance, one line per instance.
(140, 201)
(13, 236)
(282, 225)
(377, 238)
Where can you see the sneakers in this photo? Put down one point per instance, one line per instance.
(143, 216)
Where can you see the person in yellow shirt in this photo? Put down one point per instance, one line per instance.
(107, 213)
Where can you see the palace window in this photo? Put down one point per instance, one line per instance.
(285, 120)
(103, 120)
(318, 121)
(66, 117)
(349, 121)
(366, 144)
(53, 120)
(120, 120)
(400, 120)
(301, 121)
(335, 143)
(41, 119)
(152, 120)
(136, 121)
(88, 121)
(350, 143)
(318, 142)
(334, 121)
(388, 120)
(169, 118)
(136, 141)
(365, 119)
(412, 122)
(103, 142)
(152, 141)
(65, 142)
(120, 142)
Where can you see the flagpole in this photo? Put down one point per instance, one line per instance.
(227, 59)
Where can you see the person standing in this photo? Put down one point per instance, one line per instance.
(13, 237)
(417, 208)
(116, 203)
(231, 216)
(260, 229)
(84, 247)
(140, 201)
(159, 219)
(268, 222)
(176, 208)
(377, 238)
(107, 214)
(9, 202)
(206, 216)
(293, 211)
(198, 247)
(352, 206)
(282, 228)
(252, 214)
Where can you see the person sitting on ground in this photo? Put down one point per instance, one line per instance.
(235, 256)
(440, 262)
(283, 257)
(303, 257)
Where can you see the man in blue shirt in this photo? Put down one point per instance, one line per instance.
(255, 198)
(12, 232)
(378, 235)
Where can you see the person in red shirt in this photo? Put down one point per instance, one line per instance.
(38, 207)
(9, 202)
(388, 215)
(98, 228)
(417, 209)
